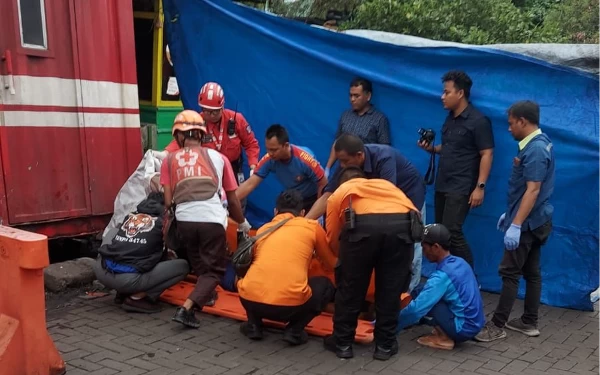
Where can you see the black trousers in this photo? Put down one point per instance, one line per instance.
(296, 317)
(205, 247)
(525, 260)
(451, 210)
(385, 249)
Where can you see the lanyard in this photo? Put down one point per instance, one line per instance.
(218, 139)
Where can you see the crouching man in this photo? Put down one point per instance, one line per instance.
(277, 286)
(450, 299)
(131, 263)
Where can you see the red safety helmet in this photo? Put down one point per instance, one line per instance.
(211, 96)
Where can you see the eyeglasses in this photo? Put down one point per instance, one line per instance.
(211, 112)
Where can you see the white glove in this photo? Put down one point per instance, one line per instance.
(245, 226)
(327, 173)
(251, 172)
(500, 222)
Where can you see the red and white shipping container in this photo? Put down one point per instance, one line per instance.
(69, 112)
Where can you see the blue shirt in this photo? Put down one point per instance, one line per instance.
(385, 162)
(302, 172)
(453, 282)
(534, 162)
(371, 127)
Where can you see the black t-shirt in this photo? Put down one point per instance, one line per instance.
(463, 137)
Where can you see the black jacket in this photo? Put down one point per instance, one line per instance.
(139, 242)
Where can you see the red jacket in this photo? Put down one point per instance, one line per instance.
(231, 147)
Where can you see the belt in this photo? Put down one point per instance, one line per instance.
(371, 221)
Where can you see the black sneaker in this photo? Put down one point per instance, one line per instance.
(142, 305)
(119, 298)
(186, 317)
(526, 329)
(294, 338)
(383, 354)
(251, 331)
(341, 351)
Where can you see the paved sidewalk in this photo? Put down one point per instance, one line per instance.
(97, 337)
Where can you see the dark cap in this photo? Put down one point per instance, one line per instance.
(437, 233)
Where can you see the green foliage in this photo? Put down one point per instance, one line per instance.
(310, 8)
(465, 21)
(576, 19)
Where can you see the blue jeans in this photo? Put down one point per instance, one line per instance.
(417, 260)
(444, 318)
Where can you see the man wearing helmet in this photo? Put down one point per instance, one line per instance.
(193, 177)
(450, 300)
(227, 131)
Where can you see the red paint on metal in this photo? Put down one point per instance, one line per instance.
(56, 108)
(45, 175)
(103, 31)
(50, 180)
(62, 181)
(73, 227)
(113, 155)
(116, 63)
(7, 58)
(3, 205)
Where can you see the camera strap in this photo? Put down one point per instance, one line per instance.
(430, 175)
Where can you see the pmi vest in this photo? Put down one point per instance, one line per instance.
(193, 175)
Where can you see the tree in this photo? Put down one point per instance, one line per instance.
(577, 21)
(466, 21)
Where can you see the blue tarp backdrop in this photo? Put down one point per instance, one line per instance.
(280, 71)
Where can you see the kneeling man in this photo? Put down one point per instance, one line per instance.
(277, 286)
(450, 297)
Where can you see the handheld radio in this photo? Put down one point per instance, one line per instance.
(350, 215)
(231, 123)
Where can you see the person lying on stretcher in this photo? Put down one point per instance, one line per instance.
(277, 286)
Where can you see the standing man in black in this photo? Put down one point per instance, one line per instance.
(466, 155)
(362, 120)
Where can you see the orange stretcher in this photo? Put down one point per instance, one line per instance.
(228, 303)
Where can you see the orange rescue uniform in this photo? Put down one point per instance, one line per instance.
(278, 275)
(369, 196)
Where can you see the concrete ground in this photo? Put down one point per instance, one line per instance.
(97, 337)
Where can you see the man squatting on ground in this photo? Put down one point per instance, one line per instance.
(450, 298)
(192, 178)
(277, 286)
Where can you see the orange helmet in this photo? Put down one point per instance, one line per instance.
(188, 120)
(211, 96)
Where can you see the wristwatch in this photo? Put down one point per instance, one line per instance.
(481, 185)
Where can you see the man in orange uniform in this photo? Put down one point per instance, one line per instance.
(371, 221)
(227, 131)
(277, 286)
(193, 177)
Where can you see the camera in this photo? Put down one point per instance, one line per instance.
(427, 135)
(427, 138)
